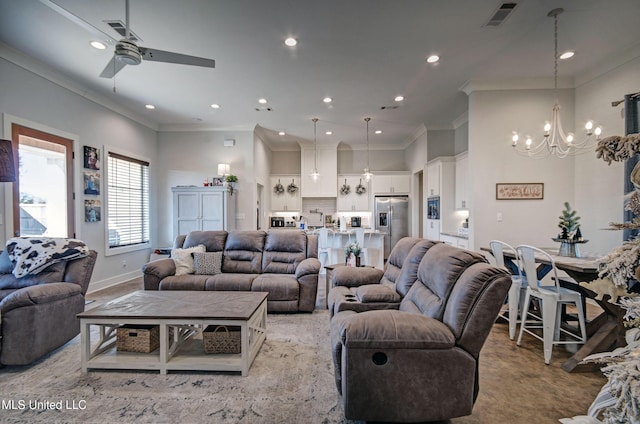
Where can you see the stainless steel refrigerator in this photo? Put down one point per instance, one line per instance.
(392, 218)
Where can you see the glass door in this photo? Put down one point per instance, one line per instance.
(43, 191)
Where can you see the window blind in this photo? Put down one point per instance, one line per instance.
(128, 200)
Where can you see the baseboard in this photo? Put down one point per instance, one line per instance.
(109, 282)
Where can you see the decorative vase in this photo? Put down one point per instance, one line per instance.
(569, 248)
(358, 261)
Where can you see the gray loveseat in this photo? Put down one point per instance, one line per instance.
(38, 312)
(283, 263)
(415, 358)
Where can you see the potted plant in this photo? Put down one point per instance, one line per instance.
(231, 181)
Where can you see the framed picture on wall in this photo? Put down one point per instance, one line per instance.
(91, 182)
(519, 191)
(92, 210)
(91, 157)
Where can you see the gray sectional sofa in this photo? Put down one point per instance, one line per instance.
(38, 312)
(406, 347)
(283, 263)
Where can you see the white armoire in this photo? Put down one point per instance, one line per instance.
(202, 209)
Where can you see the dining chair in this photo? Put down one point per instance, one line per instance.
(517, 292)
(324, 247)
(551, 299)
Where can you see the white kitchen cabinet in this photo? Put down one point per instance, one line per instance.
(327, 183)
(462, 167)
(202, 209)
(286, 201)
(391, 183)
(454, 241)
(433, 179)
(433, 229)
(353, 201)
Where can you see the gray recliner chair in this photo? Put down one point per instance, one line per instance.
(38, 312)
(420, 362)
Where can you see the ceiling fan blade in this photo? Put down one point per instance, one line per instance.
(113, 67)
(80, 22)
(156, 55)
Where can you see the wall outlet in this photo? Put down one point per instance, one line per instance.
(499, 217)
(124, 264)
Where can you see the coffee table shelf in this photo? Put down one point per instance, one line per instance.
(185, 350)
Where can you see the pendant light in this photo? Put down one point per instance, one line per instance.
(367, 175)
(315, 174)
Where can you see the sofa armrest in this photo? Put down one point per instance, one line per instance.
(155, 271)
(355, 276)
(391, 329)
(38, 294)
(308, 266)
(375, 293)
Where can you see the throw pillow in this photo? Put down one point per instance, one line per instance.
(184, 260)
(207, 263)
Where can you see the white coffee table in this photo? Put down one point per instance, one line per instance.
(188, 312)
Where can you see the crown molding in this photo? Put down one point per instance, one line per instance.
(38, 68)
(515, 84)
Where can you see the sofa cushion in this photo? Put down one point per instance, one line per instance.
(243, 252)
(409, 272)
(396, 259)
(230, 282)
(283, 251)
(184, 260)
(183, 282)
(6, 266)
(279, 286)
(376, 293)
(213, 241)
(207, 263)
(438, 272)
(52, 274)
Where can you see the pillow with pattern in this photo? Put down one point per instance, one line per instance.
(207, 263)
(184, 260)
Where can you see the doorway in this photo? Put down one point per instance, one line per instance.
(43, 197)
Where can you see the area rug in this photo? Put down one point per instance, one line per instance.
(290, 381)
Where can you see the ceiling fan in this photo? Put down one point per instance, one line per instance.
(127, 52)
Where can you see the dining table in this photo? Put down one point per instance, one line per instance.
(606, 331)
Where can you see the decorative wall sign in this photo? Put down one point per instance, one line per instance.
(91, 182)
(519, 191)
(92, 210)
(91, 157)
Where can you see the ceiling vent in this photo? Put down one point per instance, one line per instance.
(119, 27)
(389, 107)
(503, 12)
(263, 109)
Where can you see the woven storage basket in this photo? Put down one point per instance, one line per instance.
(221, 339)
(139, 338)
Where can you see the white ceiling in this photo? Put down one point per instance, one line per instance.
(362, 53)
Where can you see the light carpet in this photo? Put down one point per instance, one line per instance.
(290, 381)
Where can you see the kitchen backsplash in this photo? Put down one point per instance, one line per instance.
(325, 204)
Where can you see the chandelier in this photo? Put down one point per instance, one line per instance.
(315, 174)
(367, 175)
(554, 140)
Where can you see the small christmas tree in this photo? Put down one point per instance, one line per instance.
(568, 222)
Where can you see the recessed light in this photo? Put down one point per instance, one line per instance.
(290, 42)
(329, 133)
(378, 131)
(433, 58)
(281, 133)
(215, 106)
(327, 100)
(150, 106)
(98, 45)
(399, 98)
(567, 55)
(262, 101)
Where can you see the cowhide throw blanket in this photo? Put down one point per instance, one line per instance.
(30, 255)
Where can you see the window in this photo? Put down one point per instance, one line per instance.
(127, 201)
